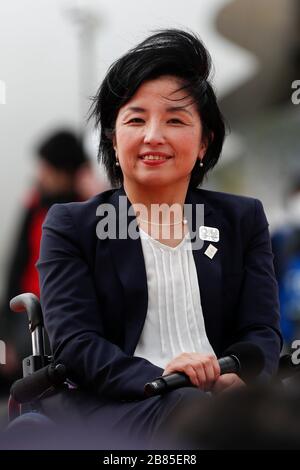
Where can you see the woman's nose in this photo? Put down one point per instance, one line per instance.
(154, 134)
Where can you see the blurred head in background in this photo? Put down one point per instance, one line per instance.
(60, 157)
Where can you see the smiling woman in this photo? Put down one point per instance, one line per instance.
(158, 144)
(123, 310)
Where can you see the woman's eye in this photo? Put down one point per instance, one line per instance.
(135, 121)
(175, 121)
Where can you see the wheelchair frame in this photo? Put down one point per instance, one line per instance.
(40, 374)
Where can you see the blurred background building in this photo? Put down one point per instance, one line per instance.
(54, 53)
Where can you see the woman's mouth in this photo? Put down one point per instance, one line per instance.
(154, 159)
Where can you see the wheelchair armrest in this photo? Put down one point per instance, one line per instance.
(31, 387)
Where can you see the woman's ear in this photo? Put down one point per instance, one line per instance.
(206, 141)
(114, 142)
(203, 148)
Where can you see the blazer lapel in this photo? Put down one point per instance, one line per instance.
(127, 255)
(209, 271)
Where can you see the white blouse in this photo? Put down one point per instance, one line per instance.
(174, 321)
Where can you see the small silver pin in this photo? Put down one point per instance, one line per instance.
(210, 234)
(211, 251)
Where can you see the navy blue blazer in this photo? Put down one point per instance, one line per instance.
(94, 292)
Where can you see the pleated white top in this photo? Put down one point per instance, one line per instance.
(174, 321)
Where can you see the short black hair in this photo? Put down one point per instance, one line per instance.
(63, 150)
(171, 52)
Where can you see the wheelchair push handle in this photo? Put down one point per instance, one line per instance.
(30, 304)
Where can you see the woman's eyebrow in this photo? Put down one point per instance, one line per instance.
(175, 109)
(135, 109)
(169, 109)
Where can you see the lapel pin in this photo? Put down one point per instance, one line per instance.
(210, 234)
(211, 251)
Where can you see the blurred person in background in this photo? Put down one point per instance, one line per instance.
(63, 174)
(286, 249)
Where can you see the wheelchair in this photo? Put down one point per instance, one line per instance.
(43, 407)
(45, 403)
(43, 378)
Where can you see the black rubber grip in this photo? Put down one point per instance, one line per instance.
(31, 387)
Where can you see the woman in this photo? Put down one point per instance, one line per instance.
(172, 291)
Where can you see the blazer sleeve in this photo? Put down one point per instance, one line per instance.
(258, 318)
(72, 315)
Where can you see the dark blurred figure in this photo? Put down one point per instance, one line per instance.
(286, 249)
(264, 417)
(63, 173)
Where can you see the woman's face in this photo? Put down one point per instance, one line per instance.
(158, 135)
